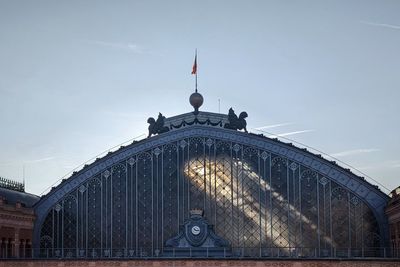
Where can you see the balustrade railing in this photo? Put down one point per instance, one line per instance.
(233, 252)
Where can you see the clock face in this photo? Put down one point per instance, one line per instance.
(195, 230)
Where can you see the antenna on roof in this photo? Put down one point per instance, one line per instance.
(23, 176)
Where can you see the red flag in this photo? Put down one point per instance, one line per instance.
(194, 69)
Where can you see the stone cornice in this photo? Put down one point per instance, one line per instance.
(22, 210)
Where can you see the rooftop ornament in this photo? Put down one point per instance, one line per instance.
(236, 123)
(157, 126)
(196, 100)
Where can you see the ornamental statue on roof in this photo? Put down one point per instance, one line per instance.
(236, 123)
(157, 126)
(230, 121)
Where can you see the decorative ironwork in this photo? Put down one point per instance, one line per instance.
(196, 232)
(12, 185)
(264, 203)
(196, 121)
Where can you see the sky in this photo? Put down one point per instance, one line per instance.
(80, 77)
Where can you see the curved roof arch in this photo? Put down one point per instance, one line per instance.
(369, 193)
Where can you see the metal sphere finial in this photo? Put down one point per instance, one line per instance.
(196, 100)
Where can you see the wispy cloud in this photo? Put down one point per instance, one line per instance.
(291, 133)
(39, 160)
(390, 26)
(123, 114)
(273, 126)
(10, 163)
(385, 165)
(354, 152)
(135, 48)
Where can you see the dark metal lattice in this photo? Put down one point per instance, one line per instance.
(262, 203)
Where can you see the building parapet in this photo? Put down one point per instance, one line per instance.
(12, 185)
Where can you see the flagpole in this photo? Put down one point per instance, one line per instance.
(196, 71)
(195, 99)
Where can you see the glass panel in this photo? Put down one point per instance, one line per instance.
(263, 204)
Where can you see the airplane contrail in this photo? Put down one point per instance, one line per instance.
(354, 152)
(381, 165)
(273, 126)
(391, 26)
(39, 160)
(291, 133)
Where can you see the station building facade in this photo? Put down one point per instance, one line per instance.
(393, 213)
(16, 220)
(199, 187)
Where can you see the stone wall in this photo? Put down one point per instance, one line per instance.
(199, 263)
(16, 226)
(393, 213)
